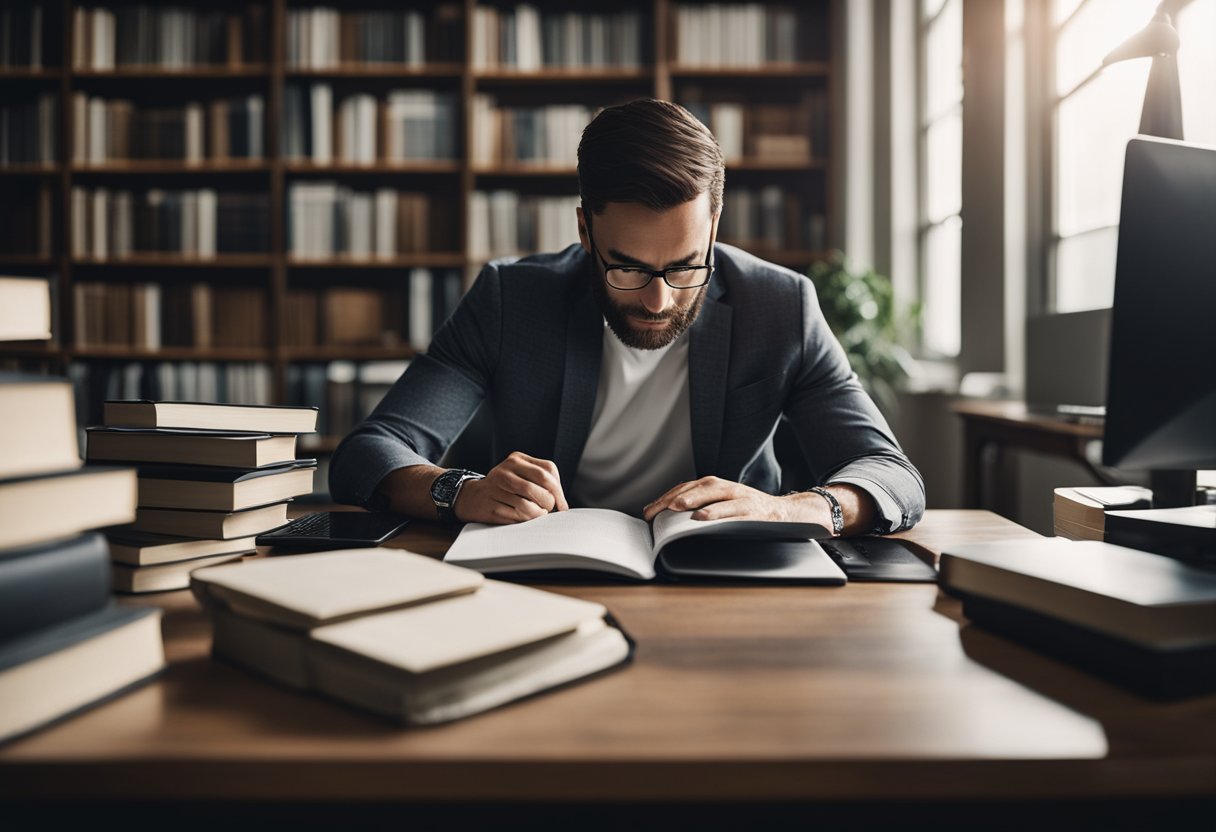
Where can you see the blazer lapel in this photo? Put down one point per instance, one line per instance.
(584, 348)
(708, 362)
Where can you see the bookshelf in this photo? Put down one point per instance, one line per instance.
(229, 96)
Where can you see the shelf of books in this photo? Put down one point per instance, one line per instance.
(279, 202)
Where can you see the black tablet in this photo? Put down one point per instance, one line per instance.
(335, 530)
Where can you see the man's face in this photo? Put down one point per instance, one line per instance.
(628, 233)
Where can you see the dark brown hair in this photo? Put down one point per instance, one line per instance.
(651, 152)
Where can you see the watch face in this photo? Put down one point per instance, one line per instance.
(444, 487)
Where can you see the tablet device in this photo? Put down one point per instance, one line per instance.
(335, 530)
(884, 559)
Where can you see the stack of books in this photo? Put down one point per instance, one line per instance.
(64, 645)
(209, 483)
(402, 635)
(1140, 620)
(1080, 513)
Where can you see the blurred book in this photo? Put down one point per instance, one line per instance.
(1080, 513)
(25, 309)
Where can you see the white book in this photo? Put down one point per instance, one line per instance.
(480, 43)
(359, 225)
(504, 228)
(479, 225)
(189, 222)
(726, 121)
(80, 47)
(152, 316)
(322, 124)
(386, 223)
(421, 286)
(527, 50)
(194, 132)
(97, 127)
(602, 540)
(207, 206)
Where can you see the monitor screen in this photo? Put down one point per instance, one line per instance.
(1161, 388)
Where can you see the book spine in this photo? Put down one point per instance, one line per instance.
(44, 585)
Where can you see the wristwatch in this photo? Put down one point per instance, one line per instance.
(837, 512)
(446, 488)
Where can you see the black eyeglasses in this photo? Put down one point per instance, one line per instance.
(631, 278)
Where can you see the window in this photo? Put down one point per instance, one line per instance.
(1095, 112)
(940, 123)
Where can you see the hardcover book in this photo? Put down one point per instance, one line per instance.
(228, 449)
(55, 672)
(47, 506)
(141, 413)
(223, 489)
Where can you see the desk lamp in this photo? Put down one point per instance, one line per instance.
(1162, 111)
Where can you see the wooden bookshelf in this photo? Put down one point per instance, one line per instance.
(277, 273)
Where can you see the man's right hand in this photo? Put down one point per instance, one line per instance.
(519, 488)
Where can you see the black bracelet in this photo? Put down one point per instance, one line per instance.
(837, 512)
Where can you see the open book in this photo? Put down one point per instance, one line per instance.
(602, 540)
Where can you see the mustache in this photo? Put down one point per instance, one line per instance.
(643, 314)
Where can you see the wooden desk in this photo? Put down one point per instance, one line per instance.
(875, 692)
(993, 426)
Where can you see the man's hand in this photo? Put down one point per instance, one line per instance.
(711, 498)
(519, 488)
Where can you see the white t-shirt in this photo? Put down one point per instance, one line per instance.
(641, 435)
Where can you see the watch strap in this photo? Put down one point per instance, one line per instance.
(446, 508)
(834, 505)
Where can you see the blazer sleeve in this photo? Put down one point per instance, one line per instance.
(841, 432)
(430, 404)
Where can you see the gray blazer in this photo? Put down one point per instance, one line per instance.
(527, 338)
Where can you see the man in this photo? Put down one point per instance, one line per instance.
(645, 369)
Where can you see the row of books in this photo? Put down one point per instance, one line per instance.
(404, 125)
(26, 212)
(21, 37)
(746, 34)
(506, 222)
(526, 39)
(174, 37)
(325, 219)
(95, 382)
(225, 128)
(29, 132)
(346, 391)
(526, 135)
(325, 38)
(407, 312)
(200, 223)
(771, 218)
(149, 315)
(64, 644)
(792, 133)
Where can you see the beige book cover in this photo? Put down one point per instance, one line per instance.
(305, 591)
(498, 617)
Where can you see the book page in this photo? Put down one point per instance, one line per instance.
(588, 538)
(673, 525)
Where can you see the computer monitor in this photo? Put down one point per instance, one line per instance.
(1161, 387)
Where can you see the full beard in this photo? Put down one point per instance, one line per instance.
(618, 318)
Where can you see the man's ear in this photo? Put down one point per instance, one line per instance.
(583, 236)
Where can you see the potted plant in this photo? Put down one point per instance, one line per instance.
(860, 309)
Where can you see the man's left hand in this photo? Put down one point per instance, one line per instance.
(711, 498)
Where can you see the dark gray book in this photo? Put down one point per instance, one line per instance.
(44, 585)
